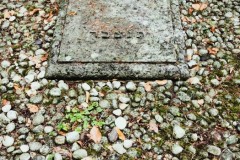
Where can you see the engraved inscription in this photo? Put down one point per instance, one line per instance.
(117, 35)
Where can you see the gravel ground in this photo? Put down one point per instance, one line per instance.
(163, 119)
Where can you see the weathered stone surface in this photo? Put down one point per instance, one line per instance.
(141, 40)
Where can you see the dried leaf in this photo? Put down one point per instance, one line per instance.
(17, 87)
(200, 6)
(72, 13)
(29, 122)
(213, 29)
(32, 108)
(190, 10)
(87, 96)
(95, 134)
(231, 70)
(5, 102)
(34, 11)
(120, 134)
(213, 51)
(161, 83)
(153, 126)
(148, 86)
(44, 57)
(194, 80)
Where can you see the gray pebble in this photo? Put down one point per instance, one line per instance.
(80, 153)
(35, 146)
(72, 137)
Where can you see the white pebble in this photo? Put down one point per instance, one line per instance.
(176, 149)
(86, 87)
(6, 108)
(35, 85)
(5, 64)
(29, 78)
(7, 141)
(178, 131)
(12, 18)
(121, 122)
(10, 127)
(24, 148)
(12, 115)
(122, 106)
(117, 112)
(40, 52)
(127, 143)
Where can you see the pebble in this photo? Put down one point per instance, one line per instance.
(203, 52)
(194, 136)
(62, 85)
(75, 146)
(38, 129)
(38, 119)
(44, 149)
(10, 127)
(121, 122)
(214, 150)
(131, 86)
(39, 52)
(232, 139)
(117, 112)
(215, 82)
(113, 135)
(123, 106)
(4, 119)
(29, 78)
(24, 148)
(159, 118)
(12, 115)
(213, 112)
(227, 155)
(124, 99)
(36, 99)
(5, 24)
(59, 140)
(35, 146)
(35, 85)
(178, 132)
(116, 84)
(80, 153)
(127, 143)
(118, 147)
(57, 156)
(86, 87)
(183, 96)
(72, 137)
(55, 92)
(12, 18)
(229, 14)
(24, 156)
(176, 149)
(6, 108)
(7, 141)
(104, 104)
(48, 129)
(5, 64)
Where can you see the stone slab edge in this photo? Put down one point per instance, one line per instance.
(57, 70)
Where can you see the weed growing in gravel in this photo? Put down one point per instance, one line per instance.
(81, 119)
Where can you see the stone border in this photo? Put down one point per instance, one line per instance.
(57, 70)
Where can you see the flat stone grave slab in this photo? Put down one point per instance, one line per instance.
(127, 39)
